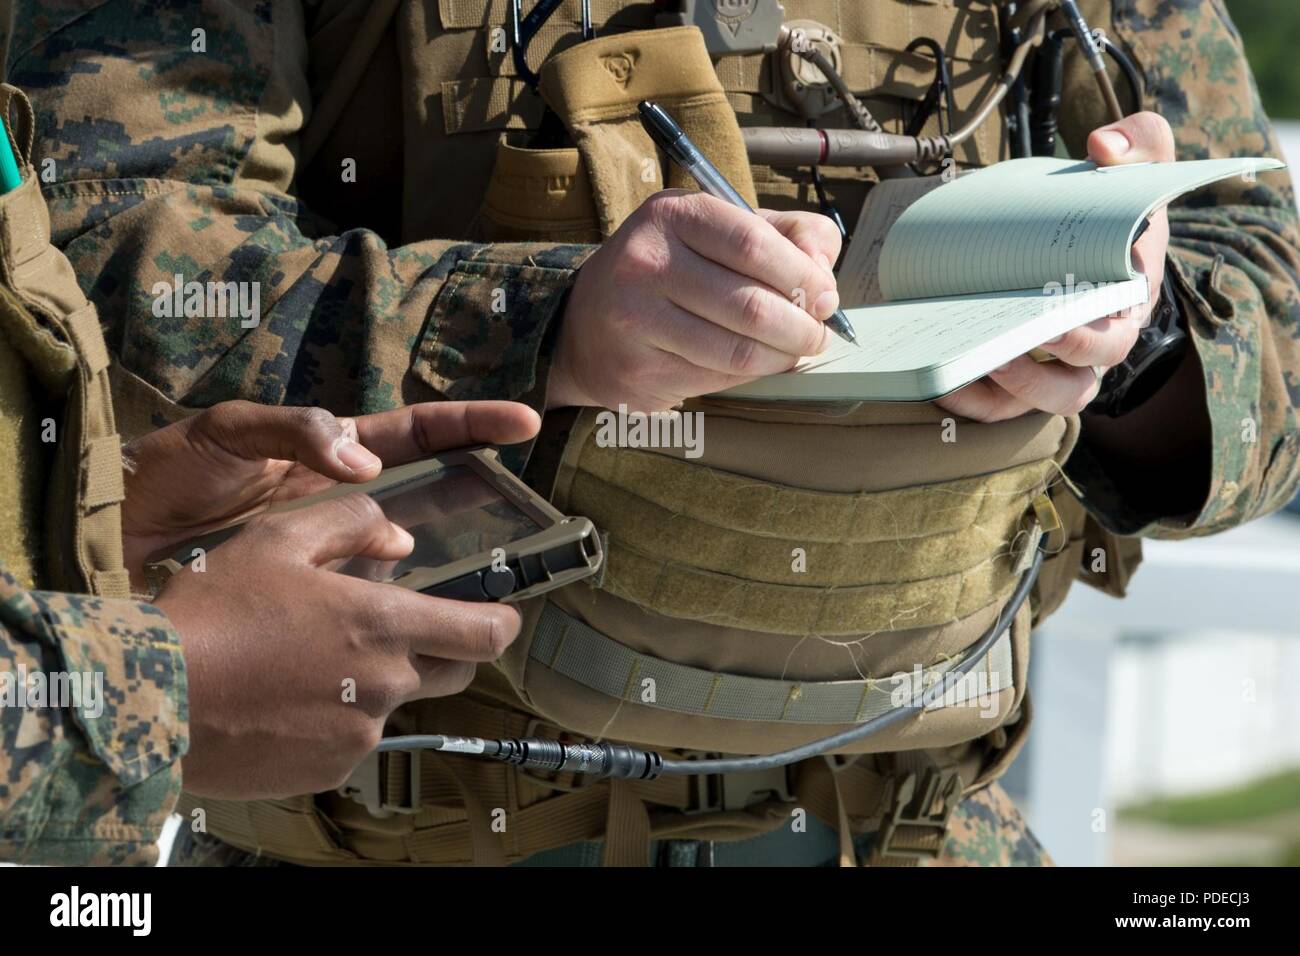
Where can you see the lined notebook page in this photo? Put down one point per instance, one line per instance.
(859, 275)
(920, 334)
(1023, 223)
(920, 349)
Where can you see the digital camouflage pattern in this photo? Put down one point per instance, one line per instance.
(80, 788)
(988, 830)
(1234, 248)
(159, 151)
(168, 161)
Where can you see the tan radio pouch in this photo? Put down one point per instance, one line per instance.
(46, 319)
(585, 193)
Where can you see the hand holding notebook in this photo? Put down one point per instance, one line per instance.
(985, 268)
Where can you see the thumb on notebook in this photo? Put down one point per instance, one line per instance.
(1140, 138)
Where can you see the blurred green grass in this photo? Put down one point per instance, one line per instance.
(1270, 31)
(1265, 806)
(1265, 797)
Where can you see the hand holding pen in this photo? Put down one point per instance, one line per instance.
(670, 137)
(689, 296)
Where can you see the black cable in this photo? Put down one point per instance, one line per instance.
(1017, 120)
(940, 86)
(1045, 99)
(1021, 145)
(1126, 67)
(1090, 46)
(829, 210)
(938, 100)
(522, 31)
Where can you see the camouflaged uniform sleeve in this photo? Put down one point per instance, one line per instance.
(1233, 248)
(93, 722)
(162, 160)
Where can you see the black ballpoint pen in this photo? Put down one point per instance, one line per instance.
(669, 137)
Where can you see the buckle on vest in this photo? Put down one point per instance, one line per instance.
(720, 792)
(369, 784)
(914, 827)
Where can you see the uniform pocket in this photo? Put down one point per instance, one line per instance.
(485, 331)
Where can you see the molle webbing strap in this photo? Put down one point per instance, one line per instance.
(865, 68)
(83, 328)
(482, 103)
(461, 14)
(102, 472)
(571, 648)
(627, 830)
(288, 829)
(968, 35)
(872, 41)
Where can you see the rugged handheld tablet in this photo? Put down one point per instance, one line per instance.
(480, 533)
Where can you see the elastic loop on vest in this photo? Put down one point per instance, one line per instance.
(103, 483)
(111, 584)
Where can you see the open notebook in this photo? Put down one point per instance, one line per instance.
(965, 276)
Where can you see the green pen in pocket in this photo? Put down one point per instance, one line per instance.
(10, 177)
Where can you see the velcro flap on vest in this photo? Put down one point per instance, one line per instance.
(102, 472)
(797, 521)
(680, 590)
(913, 530)
(768, 509)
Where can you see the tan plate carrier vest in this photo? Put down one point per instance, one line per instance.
(46, 320)
(760, 596)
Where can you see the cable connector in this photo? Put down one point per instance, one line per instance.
(601, 760)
